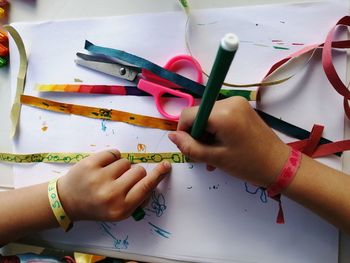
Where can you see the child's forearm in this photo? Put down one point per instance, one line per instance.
(24, 211)
(323, 190)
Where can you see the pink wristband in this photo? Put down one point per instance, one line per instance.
(287, 174)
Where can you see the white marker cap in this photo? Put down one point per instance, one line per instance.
(230, 42)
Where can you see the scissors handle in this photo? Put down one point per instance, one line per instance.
(157, 91)
(179, 61)
(175, 64)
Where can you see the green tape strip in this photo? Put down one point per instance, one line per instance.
(173, 157)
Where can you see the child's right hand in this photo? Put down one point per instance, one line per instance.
(242, 144)
(105, 187)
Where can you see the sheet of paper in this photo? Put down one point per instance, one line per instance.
(194, 215)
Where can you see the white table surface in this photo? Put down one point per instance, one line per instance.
(36, 10)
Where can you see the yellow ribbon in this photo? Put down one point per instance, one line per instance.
(16, 106)
(59, 157)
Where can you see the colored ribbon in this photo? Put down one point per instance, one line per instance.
(329, 68)
(327, 62)
(329, 147)
(99, 113)
(16, 106)
(59, 157)
(190, 85)
(127, 90)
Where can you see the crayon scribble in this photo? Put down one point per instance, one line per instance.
(282, 48)
(263, 196)
(275, 43)
(158, 204)
(141, 147)
(120, 244)
(103, 125)
(160, 231)
(44, 127)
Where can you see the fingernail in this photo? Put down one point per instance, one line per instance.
(172, 137)
(167, 164)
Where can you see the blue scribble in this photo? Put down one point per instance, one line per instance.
(158, 204)
(160, 231)
(121, 244)
(263, 196)
(118, 243)
(103, 125)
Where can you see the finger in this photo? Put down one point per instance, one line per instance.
(187, 118)
(192, 148)
(104, 158)
(118, 168)
(131, 177)
(145, 186)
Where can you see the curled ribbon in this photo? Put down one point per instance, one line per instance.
(329, 68)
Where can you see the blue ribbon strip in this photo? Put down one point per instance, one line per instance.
(191, 86)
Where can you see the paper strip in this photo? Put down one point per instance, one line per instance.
(329, 68)
(173, 157)
(128, 90)
(99, 113)
(16, 106)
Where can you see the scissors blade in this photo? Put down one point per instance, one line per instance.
(107, 66)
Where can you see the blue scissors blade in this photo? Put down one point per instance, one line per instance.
(108, 66)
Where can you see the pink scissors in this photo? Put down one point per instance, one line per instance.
(146, 80)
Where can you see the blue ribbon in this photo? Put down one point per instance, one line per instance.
(191, 86)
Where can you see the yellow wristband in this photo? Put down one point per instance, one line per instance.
(57, 207)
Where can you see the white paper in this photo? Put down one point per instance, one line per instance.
(209, 216)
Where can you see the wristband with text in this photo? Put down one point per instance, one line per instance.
(57, 207)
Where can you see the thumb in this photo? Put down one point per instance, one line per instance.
(190, 147)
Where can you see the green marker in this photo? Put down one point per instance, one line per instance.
(222, 63)
(138, 214)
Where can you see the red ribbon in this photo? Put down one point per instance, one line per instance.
(329, 69)
(311, 146)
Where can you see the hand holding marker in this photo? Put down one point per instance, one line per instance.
(224, 57)
(222, 63)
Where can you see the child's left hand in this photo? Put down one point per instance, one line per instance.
(105, 187)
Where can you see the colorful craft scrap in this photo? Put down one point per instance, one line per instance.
(99, 113)
(4, 49)
(250, 95)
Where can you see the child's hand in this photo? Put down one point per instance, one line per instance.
(105, 187)
(240, 143)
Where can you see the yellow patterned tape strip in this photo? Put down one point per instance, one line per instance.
(173, 157)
